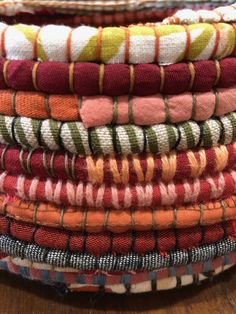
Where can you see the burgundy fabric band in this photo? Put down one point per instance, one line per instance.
(88, 79)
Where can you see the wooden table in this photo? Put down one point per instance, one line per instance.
(18, 295)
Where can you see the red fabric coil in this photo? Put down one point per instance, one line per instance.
(100, 243)
(53, 77)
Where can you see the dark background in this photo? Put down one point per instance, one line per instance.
(18, 295)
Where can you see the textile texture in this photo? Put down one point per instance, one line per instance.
(98, 244)
(69, 275)
(98, 220)
(109, 262)
(120, 169)
(125, 139)
(188, 16)
(132, 282)
(119, 197)
(91, 6)
(102, 110)
(134, 44)
(91, 79)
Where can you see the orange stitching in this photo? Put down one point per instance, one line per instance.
(125, 170)
(217, 40)
(127, 44)
(3, 48)
(192, 74)
(221, 157)
(150, 168)
(188, 42)
(99, 44)
(35, 44)
(162, 76)
(138, 168)
(95, 169)
(197, 167)
(71, 77)
(131, 75)
(168, 166)
(218, 72)
(157, 43)
(101, 77)
(114, 169)
(34, 75)
(68, 46)
(5, 65)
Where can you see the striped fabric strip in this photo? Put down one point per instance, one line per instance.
(106, 242)
(69, 276)
(121, 284)
(189, 16)
(104, 110)
(126, 139)
(68, 193)
(134, 44)
(117, 221)
(109, 262)
(119, 169)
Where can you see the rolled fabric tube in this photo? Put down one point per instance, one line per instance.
(91, 6)
(123, 262)
(151, 110)
(118, 221)
(91, 79)
(105, 242)
(189, 16)
(119, 169)
(117, 282)
(102, 110)
(125, 139)
(134, 44)
(66, 193)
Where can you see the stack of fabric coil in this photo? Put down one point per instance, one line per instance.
(118, 152)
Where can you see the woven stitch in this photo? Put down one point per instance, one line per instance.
(66, 193)
(126, 139)
(109, 262)
(142, 79)
(108, 45)
(120, 169)
(101, 243)
(91, 220)
(102, 110)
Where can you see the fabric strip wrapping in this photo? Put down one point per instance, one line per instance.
(50, 43)
(88, 7)
(103, 110)
(126, 139)
(90, 79)
(119, 169)
(118, 197)
(73, 19)
(14, 264)
(105, 242)
(131, 282)
(188, 16)
(109, 262)
(98, 220)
